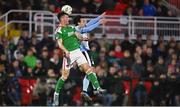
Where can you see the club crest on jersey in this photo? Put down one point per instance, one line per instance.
(70, 33)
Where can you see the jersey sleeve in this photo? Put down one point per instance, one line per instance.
(58, 36)
(58, 33)
(89, 28)
(93, 21)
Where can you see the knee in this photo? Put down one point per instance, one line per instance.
(86, 68)
(89, 70)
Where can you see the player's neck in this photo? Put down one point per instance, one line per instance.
(80, 26)
(62, 24)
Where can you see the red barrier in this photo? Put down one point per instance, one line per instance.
(148, 86)
(27, 86)
(127, 87)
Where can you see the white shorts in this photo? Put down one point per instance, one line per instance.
(75, 56)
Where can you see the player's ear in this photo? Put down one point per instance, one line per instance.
(79, 23)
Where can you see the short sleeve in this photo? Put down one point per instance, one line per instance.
(58, 35)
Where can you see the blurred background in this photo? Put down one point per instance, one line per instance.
(136, 53)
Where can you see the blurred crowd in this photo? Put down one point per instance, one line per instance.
(148, 8)
(117, 64)
(134, 72)
(128, 7)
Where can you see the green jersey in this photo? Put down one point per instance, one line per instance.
(67, 34)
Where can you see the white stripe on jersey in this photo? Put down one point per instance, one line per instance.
(58, 30)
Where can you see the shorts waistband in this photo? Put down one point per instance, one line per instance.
(76, 50)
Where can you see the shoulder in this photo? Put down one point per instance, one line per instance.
(58, 30)
(71, 26)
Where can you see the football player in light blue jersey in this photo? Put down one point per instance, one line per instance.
(84, 28)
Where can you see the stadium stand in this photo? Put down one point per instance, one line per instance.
(137, 57)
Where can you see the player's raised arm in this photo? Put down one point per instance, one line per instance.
(95, 20)
(92, 27)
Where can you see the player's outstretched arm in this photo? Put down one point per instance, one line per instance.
(92, 27)
(95, 20)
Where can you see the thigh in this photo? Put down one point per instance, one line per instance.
(81, 59)
(65, 74)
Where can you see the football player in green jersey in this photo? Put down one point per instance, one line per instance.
(68, 41)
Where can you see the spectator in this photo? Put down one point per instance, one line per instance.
(40, 91)
(138, 40)
(104, 43)
(34, 43)
(1, 46)
(13, 91)
(30, 59)
(118, 52)
(91, 8)
(140, 94)
(20, 50)
(3, 60)
(129, 11)
(56, 62)
(148, 9)
(149, 72)
(160, 68)
(16, 68)
(138, 51)
(161, 9)
(155, 97)
(93, 42)
(28, 72)
(127, 60)
(172, 68)
(46, 64)
(46, 42)
(25, 38)
(3, 77)
(51, 83)
(94, 54)
(39, 71)
(138, 67)
(148, 56)
(126, 44)
(111, 57)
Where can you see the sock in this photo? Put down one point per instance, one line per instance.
(85, 83)
(96, 78)
(55, 93)
(59, 85)
(93, 80)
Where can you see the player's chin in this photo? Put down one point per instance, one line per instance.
(67, 22)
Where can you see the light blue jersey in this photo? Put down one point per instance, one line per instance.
(91, 25)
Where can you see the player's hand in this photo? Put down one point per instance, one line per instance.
(103, 14)
(103, 21)
(77, 33)
(67, 54)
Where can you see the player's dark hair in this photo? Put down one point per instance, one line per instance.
(61, 14)
(77, 19)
